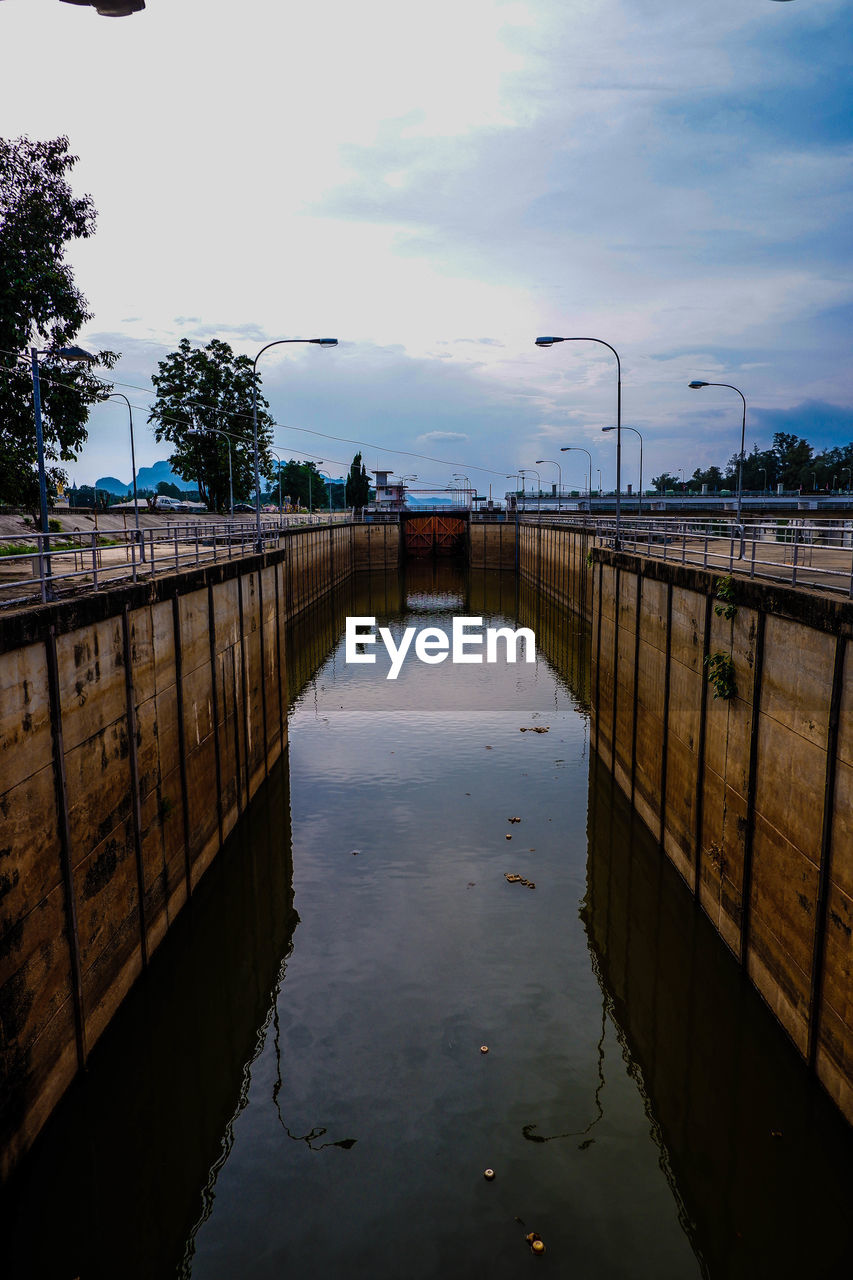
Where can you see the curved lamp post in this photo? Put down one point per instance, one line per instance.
(317, 342)
(522, 471)
(567, 448)
(539, 462)
(549, 342)
(640, 490)
(118, 395)
(695, 386)
(75, 355)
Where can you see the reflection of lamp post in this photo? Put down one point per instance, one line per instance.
(75, 355)
(640, 490)
(317, 342)
(549, 342)
(568, 448)
(695, 386)
(539, 462)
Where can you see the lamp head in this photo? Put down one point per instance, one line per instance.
(324, 342)
(696, 385)
(77, 355)
(547, 342)
(608, 428)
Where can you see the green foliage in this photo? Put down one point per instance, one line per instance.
(17, 549)
(721, 674)
(41, 306)
(358, 484)
(202, 391)
(53, 526)
(727, 607)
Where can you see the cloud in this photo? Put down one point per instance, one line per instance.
(433, 436)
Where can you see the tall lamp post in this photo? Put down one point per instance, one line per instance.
(695, 386)
(569, 448)
(74, 355)
(118, 395)
(523, 471)
(279, 342)
(640, 490)
(217, 431)
(549, 342)
(539, 462)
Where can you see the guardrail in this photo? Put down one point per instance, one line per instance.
(47, 566)
(806, 552)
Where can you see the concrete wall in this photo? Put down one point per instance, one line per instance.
(492, 545)
(135, 726)
(750, 796)
(553, 557)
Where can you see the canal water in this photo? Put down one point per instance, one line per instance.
(298, 1087)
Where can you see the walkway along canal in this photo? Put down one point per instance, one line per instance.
(305, 1094)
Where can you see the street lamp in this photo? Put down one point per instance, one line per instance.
(640, 490)
(118, 395)
(279, 342)
(763, 471)
(695, 386)
(217, 431)
(523, 471)
(598, 469)
(74, 355)
(276, 454)
(539, 462)
(567, 448)
(549, 342)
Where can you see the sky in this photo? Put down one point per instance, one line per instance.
(436, 185)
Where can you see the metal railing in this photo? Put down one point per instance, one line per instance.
(805, 552)
(46, 566)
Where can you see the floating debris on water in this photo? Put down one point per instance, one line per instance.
(513, 819)
(512, 878)
(536, 728)
(488, 1174)
(484, 1048)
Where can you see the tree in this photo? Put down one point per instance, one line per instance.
(794, 456)
(664, 481)
(41, 306)
(296, 485)
(358, 484)
(202, 391)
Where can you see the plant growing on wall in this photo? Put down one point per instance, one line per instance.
(726, 608)
(721, 674)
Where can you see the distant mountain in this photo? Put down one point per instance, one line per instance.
(146, 478)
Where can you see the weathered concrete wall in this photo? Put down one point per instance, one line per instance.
(135, 726)
(553, 557)
(492, 545)
(749, 795)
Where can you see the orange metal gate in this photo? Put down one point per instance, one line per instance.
(435, 535)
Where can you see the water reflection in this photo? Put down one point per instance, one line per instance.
(760, 1161)
(283, 1102)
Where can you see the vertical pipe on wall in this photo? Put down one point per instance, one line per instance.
(133, 761)
(263, 662)
(746, 887)
(64, 832)
(638, 604)
(182, 753)
(214, 702)
(700, 750)
(244, 687)
(279, 668)
(822, 903)
(666, 685)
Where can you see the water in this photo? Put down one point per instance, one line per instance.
(298, 1089)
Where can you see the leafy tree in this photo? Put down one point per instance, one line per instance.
(41, 306)
(712, 477)
(301, 483)
(358, 484)
(665, 481)
(202, 391)
(794, 456)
